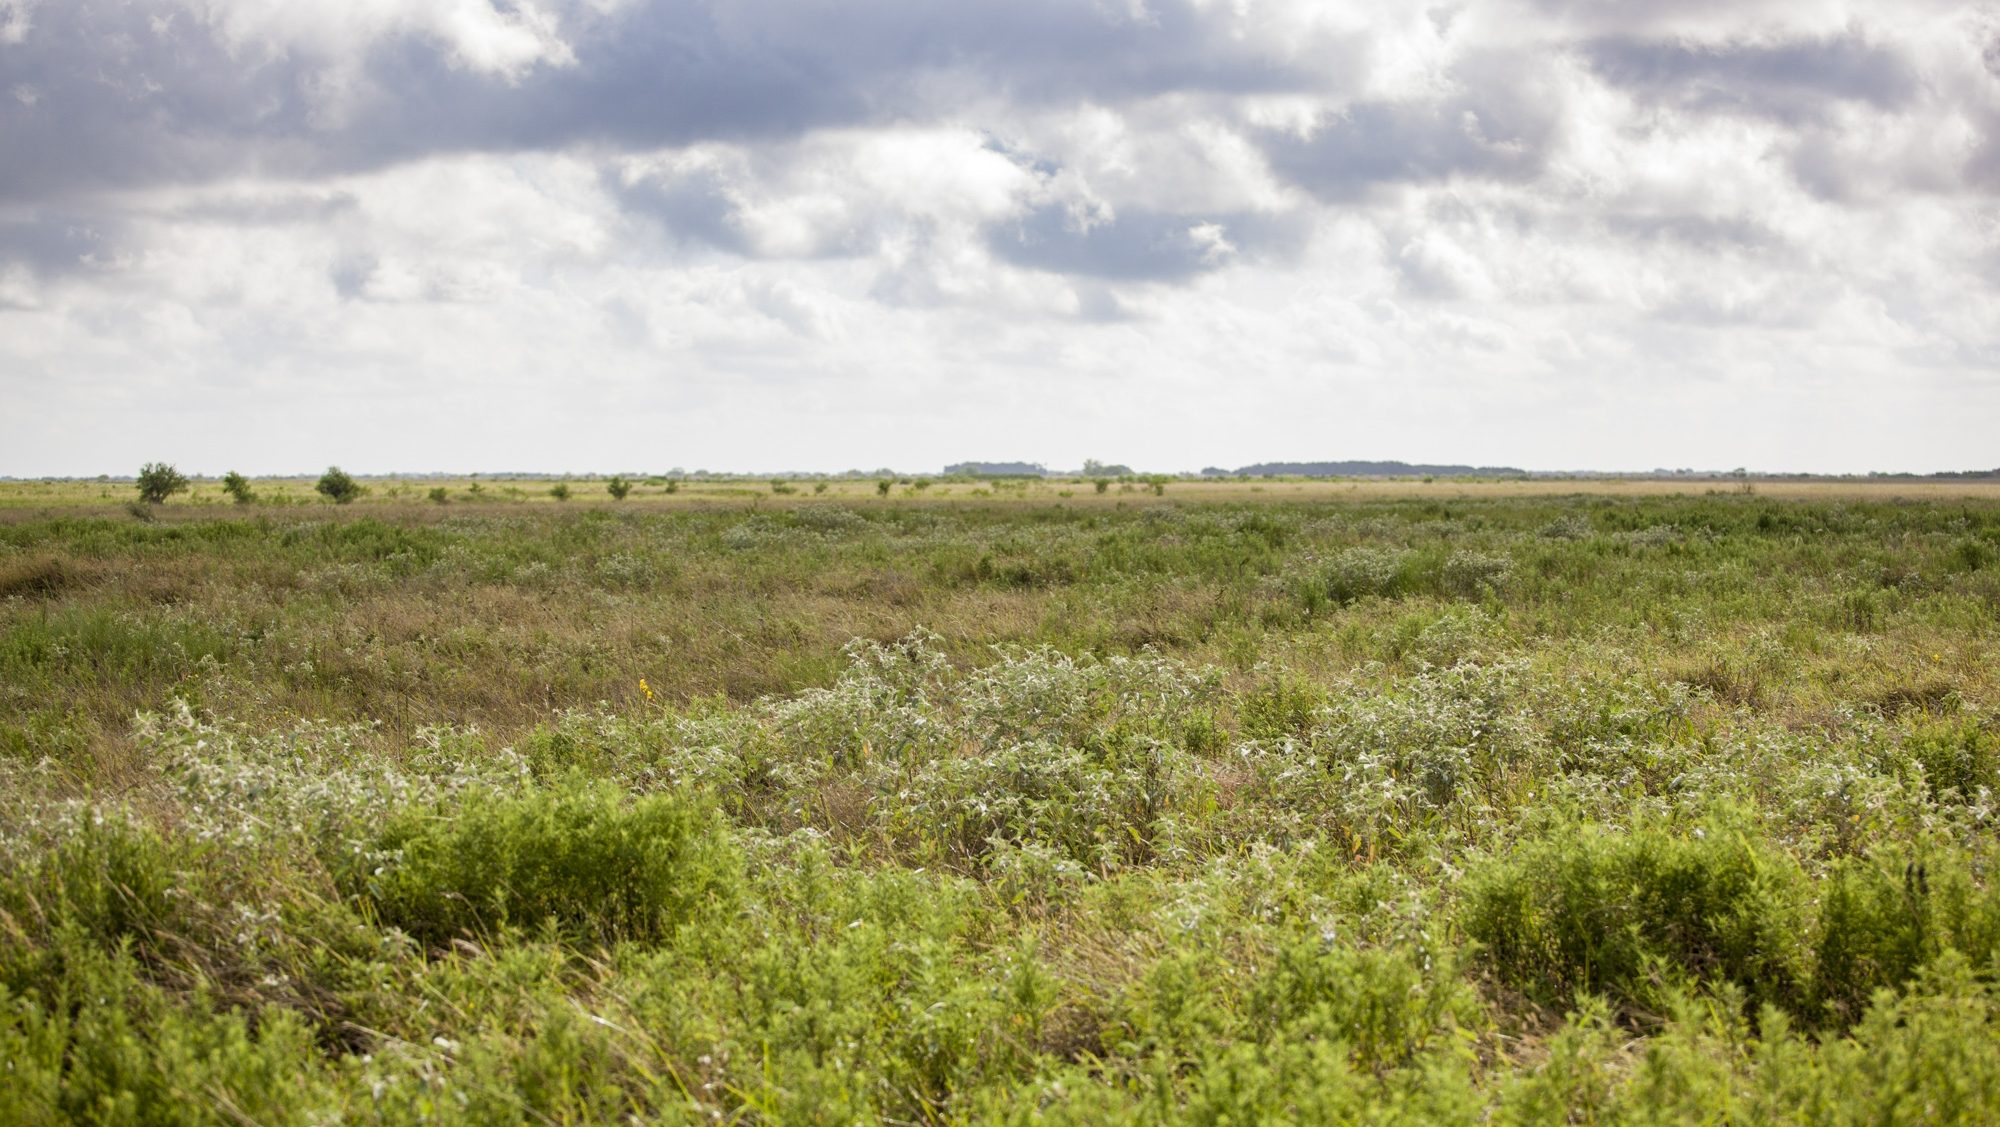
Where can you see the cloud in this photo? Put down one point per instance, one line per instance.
(56, 242)
(683, 214)
(1499, 119)
(1135, 244)
(173, 91)
(1792, 81)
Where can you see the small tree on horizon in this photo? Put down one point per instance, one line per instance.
(159, 481)
(618, 487)
(238, 488)
(338, 486)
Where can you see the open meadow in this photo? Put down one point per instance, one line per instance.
(936, 801)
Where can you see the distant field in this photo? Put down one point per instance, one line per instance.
(281, 492)
(1548, 801)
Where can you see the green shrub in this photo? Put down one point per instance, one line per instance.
(618, 487)
(159, 481)
(238, 488)
(1882, 919)
(1474, 575)
(1386, 1005)
(101, 880)
(1280, 710)
(108, 1047)
(1959, 758)
(578, 856)
(560, 490)
(1358, 573)
(439, 495)
(338, 486)
(1585, 909)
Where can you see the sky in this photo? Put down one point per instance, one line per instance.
(598, 235)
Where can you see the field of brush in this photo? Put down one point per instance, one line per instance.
(1222, 803)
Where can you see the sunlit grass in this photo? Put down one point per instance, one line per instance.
(1519, 809)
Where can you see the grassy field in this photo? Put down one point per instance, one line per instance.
(1231, 802)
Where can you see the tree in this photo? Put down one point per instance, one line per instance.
(159, 481)
(238, 487)
(336, 485)
(560, 491)
(882, 487)
(618, 487)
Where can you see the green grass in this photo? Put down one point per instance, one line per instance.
(1520, 809)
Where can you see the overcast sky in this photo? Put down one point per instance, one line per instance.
(583, 235)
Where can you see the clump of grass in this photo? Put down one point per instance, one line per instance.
(583, 858)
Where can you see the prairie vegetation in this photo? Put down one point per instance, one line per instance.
(1210, 806)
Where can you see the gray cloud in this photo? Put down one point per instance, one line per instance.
(1136, 244)
(694, 207)
(1499, 124)
(1703, 232)
(103, 95)
(710, 211)
(57, 242)
(131, 94)
(1793, 81)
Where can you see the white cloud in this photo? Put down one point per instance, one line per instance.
(629, 233)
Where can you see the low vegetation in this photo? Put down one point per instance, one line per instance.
(921, 809)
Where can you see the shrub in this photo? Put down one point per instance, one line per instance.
(1281, 710)
(1385, 1005)
(1472, 575)
(1883, 919)
(103, 876)
(1959, 758)
(1359, 573)
(1102, 484)
(159, 481)
(883, 486)
(578, 856)
(560, 491)
(672, 486)
(618, 487)
(114, 1048)
(1589, 910)
(439, 495)
(238, 488)
(337, 486)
